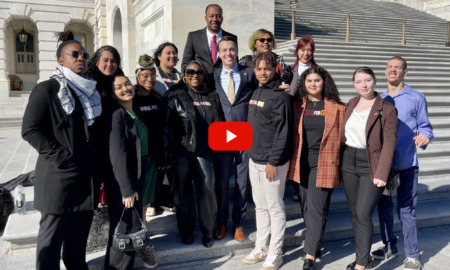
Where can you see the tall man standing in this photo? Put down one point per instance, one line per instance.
(235, 85)
(202, 44)
(414, 129)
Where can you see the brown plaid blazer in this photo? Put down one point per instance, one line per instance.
(330, 147)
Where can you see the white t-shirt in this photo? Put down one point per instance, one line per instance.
(355, 129)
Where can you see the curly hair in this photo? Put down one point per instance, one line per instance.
(158, 51)
(257, 35)
(269, 57)
(329, 90)
(92, 62)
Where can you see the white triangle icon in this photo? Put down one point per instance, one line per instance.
(230, 136)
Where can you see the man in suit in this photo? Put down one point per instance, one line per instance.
(235, 85)
(202, 44)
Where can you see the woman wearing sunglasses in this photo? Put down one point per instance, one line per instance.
(192, 107)
(262, 41)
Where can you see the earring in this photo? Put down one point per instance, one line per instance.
(184, 79)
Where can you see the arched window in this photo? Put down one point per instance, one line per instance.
(25, 55)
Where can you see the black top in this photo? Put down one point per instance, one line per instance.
(270, 114)
(151, 112)
(204, 116)
(313, 126)
(168, 78)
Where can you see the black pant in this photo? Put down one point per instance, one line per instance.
(200, 171)
(228, 163)
(315, 202)
(117, 260)
(362, 196)
(70, 231)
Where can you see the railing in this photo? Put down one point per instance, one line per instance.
(396, 29)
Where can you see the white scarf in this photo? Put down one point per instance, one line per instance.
(84, 89)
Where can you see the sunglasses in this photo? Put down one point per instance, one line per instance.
(76, 54)
(146, 76)
(192, 72)
(265, 39)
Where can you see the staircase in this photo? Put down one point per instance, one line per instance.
(429, 69)
(370, 21)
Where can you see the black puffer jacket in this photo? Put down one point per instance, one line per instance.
(180, 132)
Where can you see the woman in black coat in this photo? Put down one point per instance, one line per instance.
(58, 122)
(192, 107)
(128, 150)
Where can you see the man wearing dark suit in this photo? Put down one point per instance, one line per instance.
(202, 44)
(235, 85)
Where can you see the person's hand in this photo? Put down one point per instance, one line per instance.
(378, 182)
(286, 87)
(421, 140)
(129, 202)
(271, 172)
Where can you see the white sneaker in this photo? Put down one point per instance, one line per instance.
(151, 211)
(272, 262)
(256, 255)
(412, 264)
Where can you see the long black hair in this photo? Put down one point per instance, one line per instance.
(329, 90)
(92, 62)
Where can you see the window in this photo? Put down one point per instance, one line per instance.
(25, 56)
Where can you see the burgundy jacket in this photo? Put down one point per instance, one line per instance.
(379, 151)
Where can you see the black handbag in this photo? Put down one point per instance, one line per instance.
(132, 241)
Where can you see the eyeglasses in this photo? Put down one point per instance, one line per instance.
(146, 76)
(76, 54)
(192, 72)
(145, 60)
(262, 40)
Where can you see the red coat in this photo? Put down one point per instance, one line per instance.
(330, 147)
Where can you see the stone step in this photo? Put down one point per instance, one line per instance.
(21, 230)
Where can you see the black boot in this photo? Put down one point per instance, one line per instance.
(309, 265)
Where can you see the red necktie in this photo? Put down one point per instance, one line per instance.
(214, 49)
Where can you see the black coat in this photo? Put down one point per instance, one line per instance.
(197, 49)
(124, 151)
(67, 166)
(180, 131)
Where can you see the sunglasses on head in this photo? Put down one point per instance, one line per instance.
(265, 39)
(76, 54)
(192, 72)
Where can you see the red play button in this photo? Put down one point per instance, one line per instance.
(230, 136)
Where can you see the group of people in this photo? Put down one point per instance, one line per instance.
(91, 125)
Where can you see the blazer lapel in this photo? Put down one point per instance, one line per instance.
(206, 49)
(330, 117)
(377, 107)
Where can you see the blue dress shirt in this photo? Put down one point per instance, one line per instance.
(224, 79)
(412, 120)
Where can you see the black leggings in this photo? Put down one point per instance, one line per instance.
(362, 196)
(200, 172)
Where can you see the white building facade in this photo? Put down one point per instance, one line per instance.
(134, 27)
